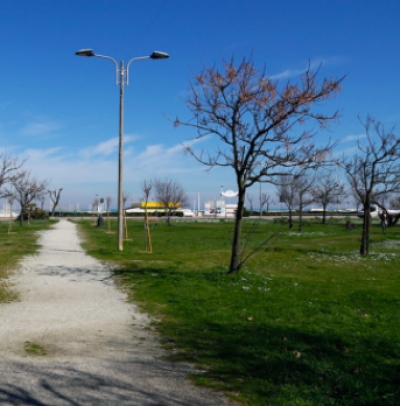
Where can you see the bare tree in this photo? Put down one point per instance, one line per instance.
(26, 189)
(10, 202)
(254, 118)
(55, 198)
(303, 182)
(250, 199)
(374, 170)
(170, 194)
(265, 200)
(326, 191)
(125, 198)
(8, 165)
(42, 200)
(146, 188)
(287, 195)
(293, 190)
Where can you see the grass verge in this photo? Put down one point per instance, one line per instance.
(307, 322)
(15, 245)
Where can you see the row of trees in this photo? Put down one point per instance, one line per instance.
(18, 184)
(258, 128)
(372, 174)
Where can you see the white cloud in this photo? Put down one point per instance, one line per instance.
(350, 138)
(64, 167)
(40, 154)
(40, 128)
(289, 73)
(106, 148)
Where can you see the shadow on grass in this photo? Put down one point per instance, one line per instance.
(265, 360)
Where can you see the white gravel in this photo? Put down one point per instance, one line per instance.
(100, 349)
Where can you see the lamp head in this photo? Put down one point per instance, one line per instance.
(159, 55)
(85, 52)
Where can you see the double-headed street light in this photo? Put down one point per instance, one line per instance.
(121, 79)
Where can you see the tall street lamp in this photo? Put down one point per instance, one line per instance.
(121, 79)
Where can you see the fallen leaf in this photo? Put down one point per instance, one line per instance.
(249, 318)
(297, 354)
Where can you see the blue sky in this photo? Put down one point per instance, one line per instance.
(61, 111)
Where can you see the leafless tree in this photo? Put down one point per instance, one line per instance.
(253, 119)
(374, 170)
(303, 183)
(264, 199)
(10, 202)
(326, 191)
(125, 198)
(170, 194)
(294, 192)
(42, 200)
(287, 195)
(25, 189)
(146, 188)
(250, 200)
(55, 198)
(8, 165)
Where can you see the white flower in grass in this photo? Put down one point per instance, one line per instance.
(245, 288)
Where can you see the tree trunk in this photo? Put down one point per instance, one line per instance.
(235, 256)
(21, 216)
(301, 217)
(290, 219)
(324, 214)
(364, 248)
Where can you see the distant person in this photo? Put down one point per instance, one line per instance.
(383, 217)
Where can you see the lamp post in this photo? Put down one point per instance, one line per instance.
(121, 79)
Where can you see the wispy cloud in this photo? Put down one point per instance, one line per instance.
(40, 154)
(83, 174)
(351, 138)
(106, 148)
(40, 128)
(289, 73)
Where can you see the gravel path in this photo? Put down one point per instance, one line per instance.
(98, 350)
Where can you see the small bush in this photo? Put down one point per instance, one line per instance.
(35, 214)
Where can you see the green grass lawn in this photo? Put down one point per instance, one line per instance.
(307, 322)
(19, 242)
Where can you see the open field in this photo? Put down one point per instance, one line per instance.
(307, 322)
(19, 242)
